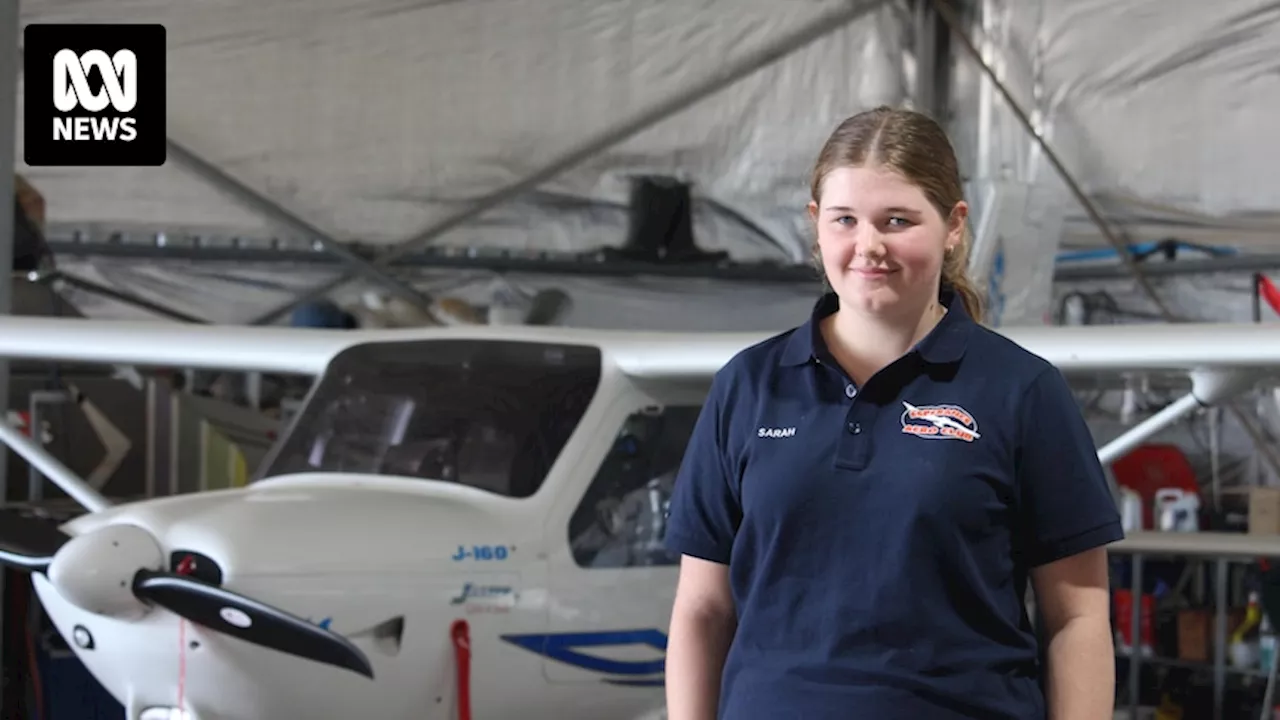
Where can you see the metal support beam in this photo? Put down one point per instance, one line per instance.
(35, 422)
(1234, 264)
(1122, 249)
(9, 63)
(726, 75)
(924, 49)
(61, 475)
(493, 260)
(57, 276)
(274, 211)
(932, 50)
(8, 144)
(270, 209)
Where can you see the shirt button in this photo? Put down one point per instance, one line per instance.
(850, 390)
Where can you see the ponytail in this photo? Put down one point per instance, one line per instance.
(955, 276)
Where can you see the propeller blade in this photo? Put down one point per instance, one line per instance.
(28, 543)
(248, 620)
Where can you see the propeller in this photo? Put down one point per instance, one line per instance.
(116, 570)
(247, 619)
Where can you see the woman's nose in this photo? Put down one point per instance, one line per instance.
(870, 242)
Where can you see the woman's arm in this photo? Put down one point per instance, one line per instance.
(1074, 600)
(703, 621)
(1066, 518)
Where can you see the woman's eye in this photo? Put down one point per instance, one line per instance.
(844, 220)
(899, 222)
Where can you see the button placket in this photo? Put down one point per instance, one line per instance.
(854, 448)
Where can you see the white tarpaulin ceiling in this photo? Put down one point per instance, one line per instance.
(372, 120)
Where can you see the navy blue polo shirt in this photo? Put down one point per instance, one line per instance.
(879, 538)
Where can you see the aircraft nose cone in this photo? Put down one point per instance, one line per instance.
(95, 570)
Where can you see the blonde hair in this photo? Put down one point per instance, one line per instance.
(915, 146)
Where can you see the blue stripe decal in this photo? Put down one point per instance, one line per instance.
(561, 648)
(653, 682)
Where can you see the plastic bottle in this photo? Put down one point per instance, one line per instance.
(1242, 649)
(1266, 644)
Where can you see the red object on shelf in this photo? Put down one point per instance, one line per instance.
(1124, 620)
(1150, 468)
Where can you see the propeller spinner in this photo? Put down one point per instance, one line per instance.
(117, 570)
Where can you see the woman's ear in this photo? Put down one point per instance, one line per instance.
(813, 211)
(956, 221)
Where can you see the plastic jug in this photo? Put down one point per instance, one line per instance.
(1177, 510)
(1130, 509)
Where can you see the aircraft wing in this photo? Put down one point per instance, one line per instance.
(644, 355)
(1088, 349)
(1153, 346)
(166, 344)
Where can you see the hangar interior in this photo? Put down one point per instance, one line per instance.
(626, 165)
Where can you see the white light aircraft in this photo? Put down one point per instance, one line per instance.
(460, 522)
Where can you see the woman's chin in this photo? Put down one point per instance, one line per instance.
(874, 299)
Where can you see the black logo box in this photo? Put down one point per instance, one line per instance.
(40, 43)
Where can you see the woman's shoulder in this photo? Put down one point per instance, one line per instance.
(997, 351)
(762, 355)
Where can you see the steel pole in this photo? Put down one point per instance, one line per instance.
(949, 17)
(8, 141)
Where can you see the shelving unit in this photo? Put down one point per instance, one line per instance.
(1222, 549)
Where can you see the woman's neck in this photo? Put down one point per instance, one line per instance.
(864, 344)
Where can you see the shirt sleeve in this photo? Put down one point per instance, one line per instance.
(1066, 505)
(704, 512)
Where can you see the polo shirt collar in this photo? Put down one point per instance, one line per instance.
(944, 344)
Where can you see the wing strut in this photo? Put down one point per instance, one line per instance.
(1208, 388)
(61, 475)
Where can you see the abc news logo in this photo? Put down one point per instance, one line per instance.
(94, 95)
(71, 90)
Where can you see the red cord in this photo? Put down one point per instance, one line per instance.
(24, 592)
(182, 661)
(462, 656)
(186, 566)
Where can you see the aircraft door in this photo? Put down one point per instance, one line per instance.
(612, 579)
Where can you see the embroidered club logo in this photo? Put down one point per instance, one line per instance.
(950, 422)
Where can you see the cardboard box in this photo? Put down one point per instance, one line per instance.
(1195, 635)
(1196, 631)
(1264, 511)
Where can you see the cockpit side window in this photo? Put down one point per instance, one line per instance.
(489, 414)
(621, 520)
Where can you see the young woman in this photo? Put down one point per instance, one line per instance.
(865, 498)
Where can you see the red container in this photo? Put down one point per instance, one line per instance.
(1124, 621)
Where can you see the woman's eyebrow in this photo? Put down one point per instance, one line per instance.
(895, 209)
